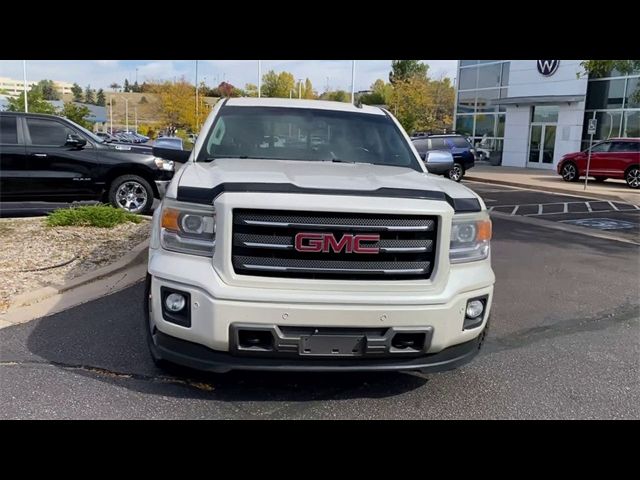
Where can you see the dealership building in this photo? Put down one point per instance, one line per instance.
(529, 113)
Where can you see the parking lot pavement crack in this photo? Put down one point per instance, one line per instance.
(625, 314)
(106, 373)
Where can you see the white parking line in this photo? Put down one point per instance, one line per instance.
(613, 206)
(539, 209)
(566, 208)
(588, 207)
(515, 209)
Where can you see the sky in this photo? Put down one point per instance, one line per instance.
(102, 73)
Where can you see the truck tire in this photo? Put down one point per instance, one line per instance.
(131, 193)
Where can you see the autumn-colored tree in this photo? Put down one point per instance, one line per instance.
(177, 103)
(307, 90)
(251, 90)
(421, 104)
(277, 85)
(380, 91)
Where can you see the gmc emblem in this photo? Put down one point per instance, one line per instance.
(325, 242)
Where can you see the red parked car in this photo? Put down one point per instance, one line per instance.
(613, 158)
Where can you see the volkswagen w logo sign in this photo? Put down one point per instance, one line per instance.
(548, 67)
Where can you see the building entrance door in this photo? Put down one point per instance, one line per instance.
(542, 141)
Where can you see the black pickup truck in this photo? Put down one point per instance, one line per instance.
(50, 158)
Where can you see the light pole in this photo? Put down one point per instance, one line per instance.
(197, 118)
(353, 79)
(24, 73)
(259, 77)
(111, 112)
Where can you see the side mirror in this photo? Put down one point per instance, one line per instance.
(180, 156)
(75, 141)
(439, 161)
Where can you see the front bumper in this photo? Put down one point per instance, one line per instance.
(200, 357)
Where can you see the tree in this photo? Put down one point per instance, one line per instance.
(100, 98)
(115, 86)
(136, 87)
(307, 90)
(421, 104)
(76, 90)
(277, 85)
(88, 95)
(378, 95)
(127, 87)
(251, 90)
(48, 90)
(402, 70)
(336, 96)
(37, 104)
(601, 68)
(177, 103)
(76, 113)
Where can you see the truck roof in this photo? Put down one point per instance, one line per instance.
(296, 103)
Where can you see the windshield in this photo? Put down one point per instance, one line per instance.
(274, 133)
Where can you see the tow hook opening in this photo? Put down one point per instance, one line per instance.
(255, 340)
(408, 341)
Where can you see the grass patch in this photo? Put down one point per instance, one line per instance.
(103, 216)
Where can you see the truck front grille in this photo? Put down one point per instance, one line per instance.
(264, 245)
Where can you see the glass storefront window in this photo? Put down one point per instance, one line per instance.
(466, 102)
(485, 102)
(465, 63)
(631, 124)
(464, 124)
(505, 73)
(608, 125)
(468, 77)
(500, 125)
(632, 97)
(603, 94)
(485, 125)
(489, 76)
(545, 113)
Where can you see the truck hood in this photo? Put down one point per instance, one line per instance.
(313, 175)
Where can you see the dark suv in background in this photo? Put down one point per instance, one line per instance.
(462, 151)
(48, 158)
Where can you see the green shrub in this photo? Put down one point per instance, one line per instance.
(104, 216)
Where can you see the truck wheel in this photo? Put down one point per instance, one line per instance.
(456, 173)
(131, 193)
(633, 177)
(570, 172)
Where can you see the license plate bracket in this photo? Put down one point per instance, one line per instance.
(333, 345)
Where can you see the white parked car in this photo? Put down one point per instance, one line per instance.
(342, 256)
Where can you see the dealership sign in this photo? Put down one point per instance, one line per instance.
(548, 67)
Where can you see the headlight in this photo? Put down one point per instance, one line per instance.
(470, 239)
(163, 164)
(188, 228)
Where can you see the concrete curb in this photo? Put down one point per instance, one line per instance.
(137, 255)
(563, 227)
(599, 196)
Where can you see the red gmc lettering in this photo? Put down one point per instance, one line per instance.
(326, 242)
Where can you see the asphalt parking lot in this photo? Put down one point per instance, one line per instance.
(564, 343)
(618, 217)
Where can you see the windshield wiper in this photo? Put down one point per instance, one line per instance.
(339, 160)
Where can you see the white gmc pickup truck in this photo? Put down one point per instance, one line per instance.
(308, 235)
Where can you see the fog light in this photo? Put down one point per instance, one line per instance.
(174, 302)
(474, 309)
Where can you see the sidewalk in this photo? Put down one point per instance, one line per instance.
(550, 181)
